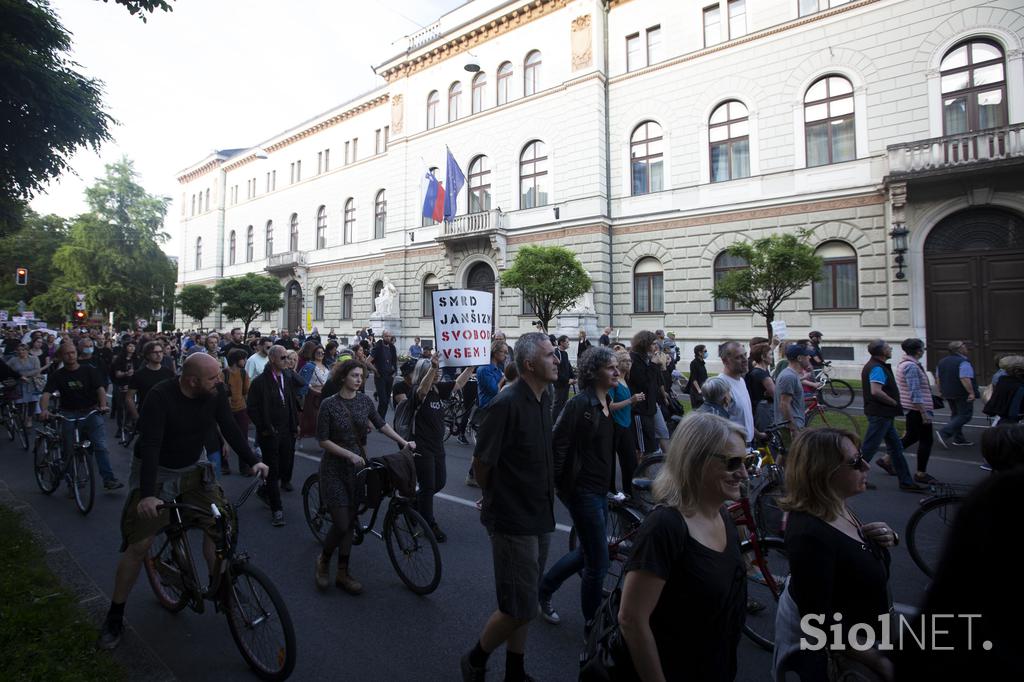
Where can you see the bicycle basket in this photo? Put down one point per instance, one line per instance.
(376, 486)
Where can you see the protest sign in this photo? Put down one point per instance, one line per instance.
(463, 322)
(779, 330)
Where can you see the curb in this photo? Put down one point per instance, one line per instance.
(133, 653)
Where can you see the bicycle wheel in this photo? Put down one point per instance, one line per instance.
(412, 549)
(83, 476)
(768, 514)
(828, 417)
(171, 570)
(47, 465)
(765, 581)
(927, 530)
(317, 516)
(836, 393)
(260, 623)
(648, 469)
(10, 421)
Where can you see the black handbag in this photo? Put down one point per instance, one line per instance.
(937, 402)
(605, 656)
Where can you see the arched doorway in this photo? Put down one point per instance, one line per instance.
(293, 307)
(974, 283)
(480, 277)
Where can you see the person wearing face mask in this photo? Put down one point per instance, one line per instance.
(698, 375)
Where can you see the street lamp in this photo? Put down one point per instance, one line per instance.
(899, 246)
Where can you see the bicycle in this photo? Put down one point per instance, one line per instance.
(257, 615)
(455, 412)
(14, 416)
(930, 523)
(818, 416)
(51, 466)
(411, 545)
(621, 526)
(833, 392)
(768, 513)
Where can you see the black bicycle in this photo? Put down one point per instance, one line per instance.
(621, 525)
(15, 418)
(51, 465)
(412, 547)
(833, 392)
(930, 523)
(257, 615)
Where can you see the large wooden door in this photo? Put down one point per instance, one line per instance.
(293, 302)
(974, 283)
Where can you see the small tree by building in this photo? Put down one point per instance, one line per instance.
(247, 297)
(550, 278)
(778, 266)
(196, 301)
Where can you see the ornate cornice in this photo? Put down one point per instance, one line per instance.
(191, 175)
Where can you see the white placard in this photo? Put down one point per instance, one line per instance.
(29, 315)
(779, 329)
(3, 315)
(18, 320)
(142, 322)
(463, 322)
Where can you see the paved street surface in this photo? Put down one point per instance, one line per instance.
(389, 633)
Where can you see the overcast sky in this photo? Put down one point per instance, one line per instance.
(216, 74)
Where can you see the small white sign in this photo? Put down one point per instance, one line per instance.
(142, 323)
(463, 322)
(18, 320)
(29, 315)
(3, 315)
(80, 296)
(779, 329)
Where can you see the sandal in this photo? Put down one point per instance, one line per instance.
(886, 466)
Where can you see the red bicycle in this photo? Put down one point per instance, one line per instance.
(767, 572)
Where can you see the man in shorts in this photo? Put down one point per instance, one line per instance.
(514, 466)
(173, 425)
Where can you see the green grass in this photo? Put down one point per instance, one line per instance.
(45, 633)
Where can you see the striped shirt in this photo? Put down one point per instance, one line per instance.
(913, 384)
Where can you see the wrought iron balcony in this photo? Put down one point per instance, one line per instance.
(286, 262)
(942, 155)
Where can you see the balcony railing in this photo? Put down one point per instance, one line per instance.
(474, 224)
(957, 151)
(289, 260)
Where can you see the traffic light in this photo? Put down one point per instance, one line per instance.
(21, 277)
(80, 315)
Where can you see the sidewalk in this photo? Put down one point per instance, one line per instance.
(138, 660)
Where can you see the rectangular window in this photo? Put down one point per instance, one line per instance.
(347, 158)
(737, 18)
(355, 149)
(298, 171)
(634, 58)
(377, 142)
(648, 292)
(291, 173)
(837, 288)
(653, 45)
(808, 7)
(428, 299)
(268, 181)
(712, 25)
(319, 163)
(387, 137)
(327, 160)
(273, 180)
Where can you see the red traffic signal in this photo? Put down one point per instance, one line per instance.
(21, 276)
(81, 315)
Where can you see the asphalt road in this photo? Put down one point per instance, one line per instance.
(388, 633)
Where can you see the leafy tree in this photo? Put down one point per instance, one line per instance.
(31, 247)
(49, 110)
(196, 301)
(247, 297)
(778, 266)
(550, 277)
(140, 7)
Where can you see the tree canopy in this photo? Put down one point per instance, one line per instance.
(196, 301)
(779, 266)
(247, 297)
(551, 279)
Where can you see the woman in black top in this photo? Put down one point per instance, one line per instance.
(122, 367)
(698, 375)
(684, 596)
(837, 564)
(583, 446)
(760, 386)
(428, 431)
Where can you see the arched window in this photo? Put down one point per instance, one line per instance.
(231, 249)
(293, 233)
(837, 288)
(270, 238)
(207, 200)
(346, 302)
(249, 244)
(477, 97)
(199, 253)
(504, 83)
(430, 285)
(321, 227)
(378, 287)
(318, 304)
(648, 286)
(531, 73)
(349, 227)
(646, 149)
(828, 121)
(454, 97)
(380, 215)
(729, 139)
(533, 175)
(726, 263)
(479, 184)
(973, 87)
(433, 101)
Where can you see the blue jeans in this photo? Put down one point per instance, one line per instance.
(589, 513)
(216, 459)
(92, 429)
(880, 428)
(962, 411)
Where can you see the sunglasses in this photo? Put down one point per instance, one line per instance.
(858, 463)
(735, 462)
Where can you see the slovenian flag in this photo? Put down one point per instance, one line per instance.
(455, 178)
(433, 199)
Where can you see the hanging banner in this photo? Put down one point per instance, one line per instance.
(463, 323)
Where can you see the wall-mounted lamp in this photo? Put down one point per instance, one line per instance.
(556, 212)
(899, 247)
(472, 64)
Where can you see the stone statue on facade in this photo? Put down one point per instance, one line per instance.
(386, 303)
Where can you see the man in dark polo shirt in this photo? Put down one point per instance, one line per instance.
(514, 466)
(147, 376)
(385, 361)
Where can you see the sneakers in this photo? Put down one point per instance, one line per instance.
(112, 484)
(469, 673)
(323, 572)
(471, 482)
(912, 488)
(438, 533)
(346, 582)
(277, 520)
(110, 634)
(548, 613)
(617, 497)
(964, 442)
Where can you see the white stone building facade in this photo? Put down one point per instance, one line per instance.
(647, 136)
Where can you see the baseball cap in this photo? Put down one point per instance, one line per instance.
(795, 351)
(814, 333)
(407, 367)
